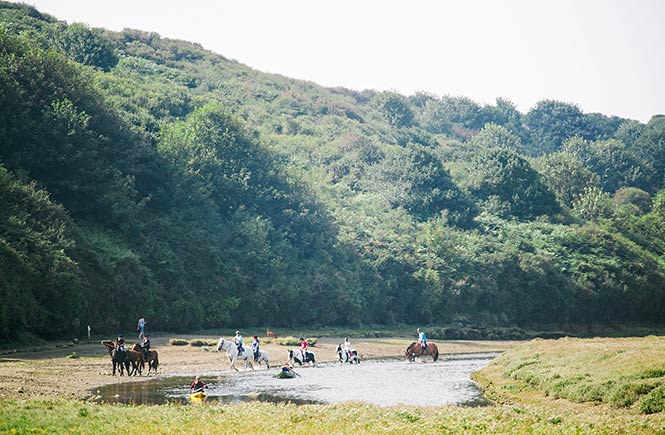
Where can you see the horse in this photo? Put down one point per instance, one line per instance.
(263, 356)
(416, 350)
(350, 357)
(152, 360)
(271, 334)
(297, 357)
(117, 357)
(232, 353)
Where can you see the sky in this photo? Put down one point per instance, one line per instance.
(606, 56)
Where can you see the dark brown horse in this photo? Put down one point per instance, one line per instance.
(118, 358)
(125, 358)
(152, 360)
(416, 350)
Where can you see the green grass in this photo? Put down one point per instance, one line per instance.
(620, 372)
(71, 417)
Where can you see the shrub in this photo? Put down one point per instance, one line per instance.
(654, 401)
(178, 342)
(199, 342)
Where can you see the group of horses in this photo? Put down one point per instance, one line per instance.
(133, 360)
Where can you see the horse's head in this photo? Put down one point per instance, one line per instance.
(290, 354)
(339, 348)
(110, 345)
(220, 344)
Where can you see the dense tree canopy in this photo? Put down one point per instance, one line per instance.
(145, 176)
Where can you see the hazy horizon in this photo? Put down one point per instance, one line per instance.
(605, 56)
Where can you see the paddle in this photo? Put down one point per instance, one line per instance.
(198, 390)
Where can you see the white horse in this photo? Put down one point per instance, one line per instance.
(349, 357)
(297, 356)
(232, 353)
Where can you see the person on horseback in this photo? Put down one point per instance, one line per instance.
(255, 347)
(347, 347)
(198, 385)
(121, 347)
(238, 341)
(303, 349)
(146, 347)
(422, 339)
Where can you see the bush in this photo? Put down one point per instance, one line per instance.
(178, 342)
(199, 342)
(654, 401)
(293, 341)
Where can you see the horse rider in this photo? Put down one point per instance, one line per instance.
(146, 346)
(121, 347)
(422, 339)
(238, 341)
(347, 347)
(303, 348)
(198, 385)
(255, 347)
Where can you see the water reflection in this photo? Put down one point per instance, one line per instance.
(380, 382)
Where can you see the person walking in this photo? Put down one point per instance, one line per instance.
(141, 327)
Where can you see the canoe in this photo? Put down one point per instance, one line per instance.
(197, 396)
(285, 375)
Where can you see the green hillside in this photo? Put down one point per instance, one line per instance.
(146, 176)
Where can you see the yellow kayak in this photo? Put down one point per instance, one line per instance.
(197, 396)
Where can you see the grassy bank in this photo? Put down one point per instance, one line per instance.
(626, 373)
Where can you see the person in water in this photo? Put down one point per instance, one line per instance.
(198, 385)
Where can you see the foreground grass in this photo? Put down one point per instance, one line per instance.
(56, 417)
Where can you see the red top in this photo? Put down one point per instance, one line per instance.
(303, 345)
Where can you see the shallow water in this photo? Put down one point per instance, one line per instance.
(379, 382)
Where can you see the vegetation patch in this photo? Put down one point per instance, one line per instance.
(178, 342)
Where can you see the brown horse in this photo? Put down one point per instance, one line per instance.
(271, 334)
(125, 358)
(152, 360)
(117, 358)
(416, 350)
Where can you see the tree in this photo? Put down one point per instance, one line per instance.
(551, 122)
(414, 179)
(87, 46)
(504, 174)
(495, 136)
(563, 173)
(395, 109)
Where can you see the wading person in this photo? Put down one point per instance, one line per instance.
(198, 385)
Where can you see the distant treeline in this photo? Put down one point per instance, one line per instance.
(142, 176)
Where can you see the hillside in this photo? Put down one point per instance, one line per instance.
(146, 176)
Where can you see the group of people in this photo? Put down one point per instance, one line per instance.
(144, 345)
(255, 345)
(198, 385)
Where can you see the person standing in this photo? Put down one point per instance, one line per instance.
(141, 327)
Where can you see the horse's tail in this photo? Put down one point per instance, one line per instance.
(155, 364)
(435, 356)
